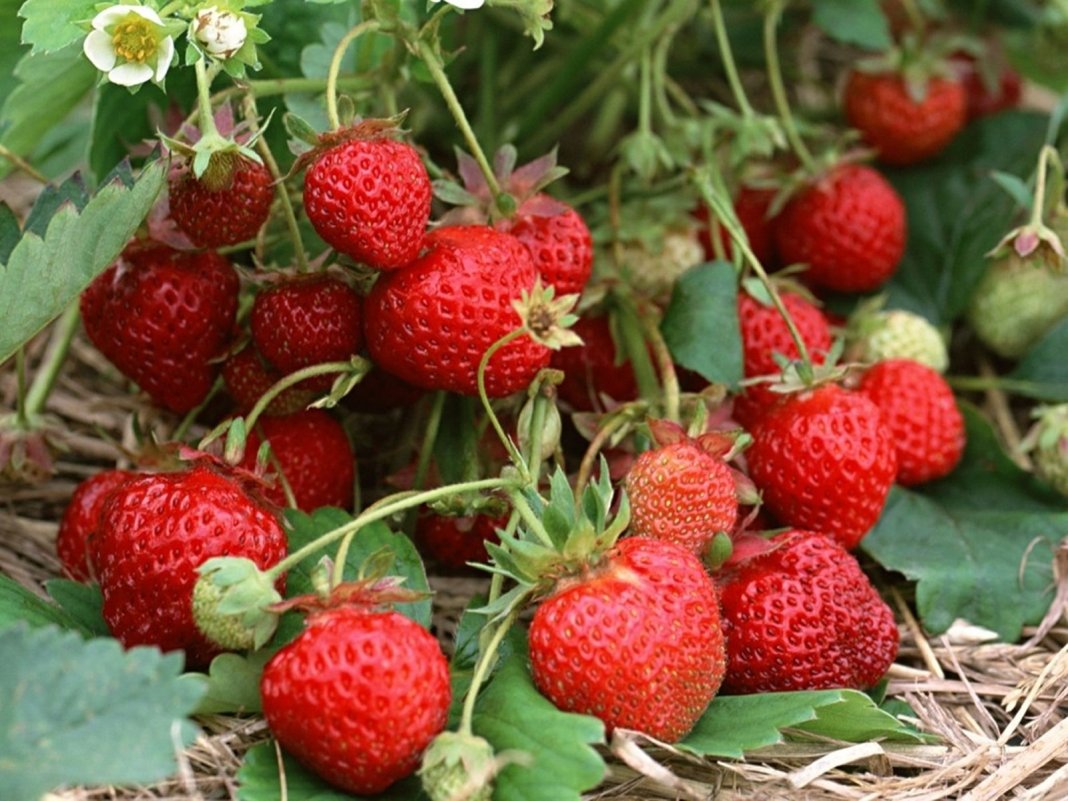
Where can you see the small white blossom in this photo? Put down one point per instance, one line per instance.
(466, 5)
(221, 32)
(130, 44)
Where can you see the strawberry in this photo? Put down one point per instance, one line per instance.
(825, 461)
(752, 205)
(682, 490)
(229, 209)
(904, 125)
(653, 268)
(634, 640)
(1016, 303)
(1047, 442)
(848, 226)
(764, 333)
(594, 368)
(801, 615)
(313, 454)
(155, 531)
(369, 198)
(380, 392)
(921, 413)
(357, 696)
(897, 334)
(558, 241)
(306, 320)
(81, 521)
(162, 316)
(431, 322)
(991, 85)
(247, 377)
(455, 541)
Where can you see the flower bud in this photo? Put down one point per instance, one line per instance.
(222, 33)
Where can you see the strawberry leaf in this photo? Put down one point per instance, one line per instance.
(53, 24)
(67, 705)
(1043, 373)
(980, 542)
(45, 273)
(857, 22)
(82, 602)
(735, 724)
(259, 780)
(233, 683)
(19, 605)
(701, 324)
(957, 212)
(512, 714)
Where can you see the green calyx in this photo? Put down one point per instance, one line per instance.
(875, 334)
(230, 603)
(1048, 444)
(458, 767)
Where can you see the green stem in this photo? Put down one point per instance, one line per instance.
(635, 346)
(660, 77)
(983, 383)
(52, 362)
(600, 439)
(22, 164)
(426, 450)
(379, 511)
(645, 92)
(669, 378)
(252, 117)
(778, 89)
(335, 68)
(485, 661)
(534, 525)
(725, 212)
(537, 424)
(729, 65)
(271, 87)
(295, 378)
(207, 119)
(437, 72)
(22, 419)
(171, 7)
(1038, 207)
(513, 452)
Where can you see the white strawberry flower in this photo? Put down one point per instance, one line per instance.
(131, 44)
(466, 5)
(221, 32)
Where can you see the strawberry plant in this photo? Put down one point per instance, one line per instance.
(506, 399)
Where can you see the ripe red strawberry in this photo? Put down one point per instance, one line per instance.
(752, 205)
(226, 210)
(248, 377)
(921, 413)
(161, 317)
(306, 320)
(801, 615)
(824, 461)
(155, 531)
(431, 322)
(901, 128)
(81, 521)
(848, 227)
(682, 491)
(558, 240)
(991, 85)
(314, 455)
(594, 368)
(455, 541)
(634, 640)
(764, 333)
(369, 198)
(357, 696)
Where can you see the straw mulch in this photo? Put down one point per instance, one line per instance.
(999, 710)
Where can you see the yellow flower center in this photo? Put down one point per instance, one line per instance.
(135, 39)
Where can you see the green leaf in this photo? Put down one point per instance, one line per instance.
(19, 605)
(45, 274)
(979, 542)
(49, 87)
(374, 537)
(512, 714)
(74, 711)
(456, 444)
(10, 232)
(701, 323)
(10, 49)
(957, 212)
(1042, 373)
(82, 602)
(857, 22)
(258, 780)
(735, 724)
(233, 683)
(53, 24)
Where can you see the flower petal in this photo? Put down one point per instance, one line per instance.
(145, 12)
(466, 5)
(164, 56)
(130, 74)
(98, 49)
(109, 16)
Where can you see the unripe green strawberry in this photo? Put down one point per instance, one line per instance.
(898, 334)
(1016, 303)
(653, 272)
(1049, 440)
(458, 766)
